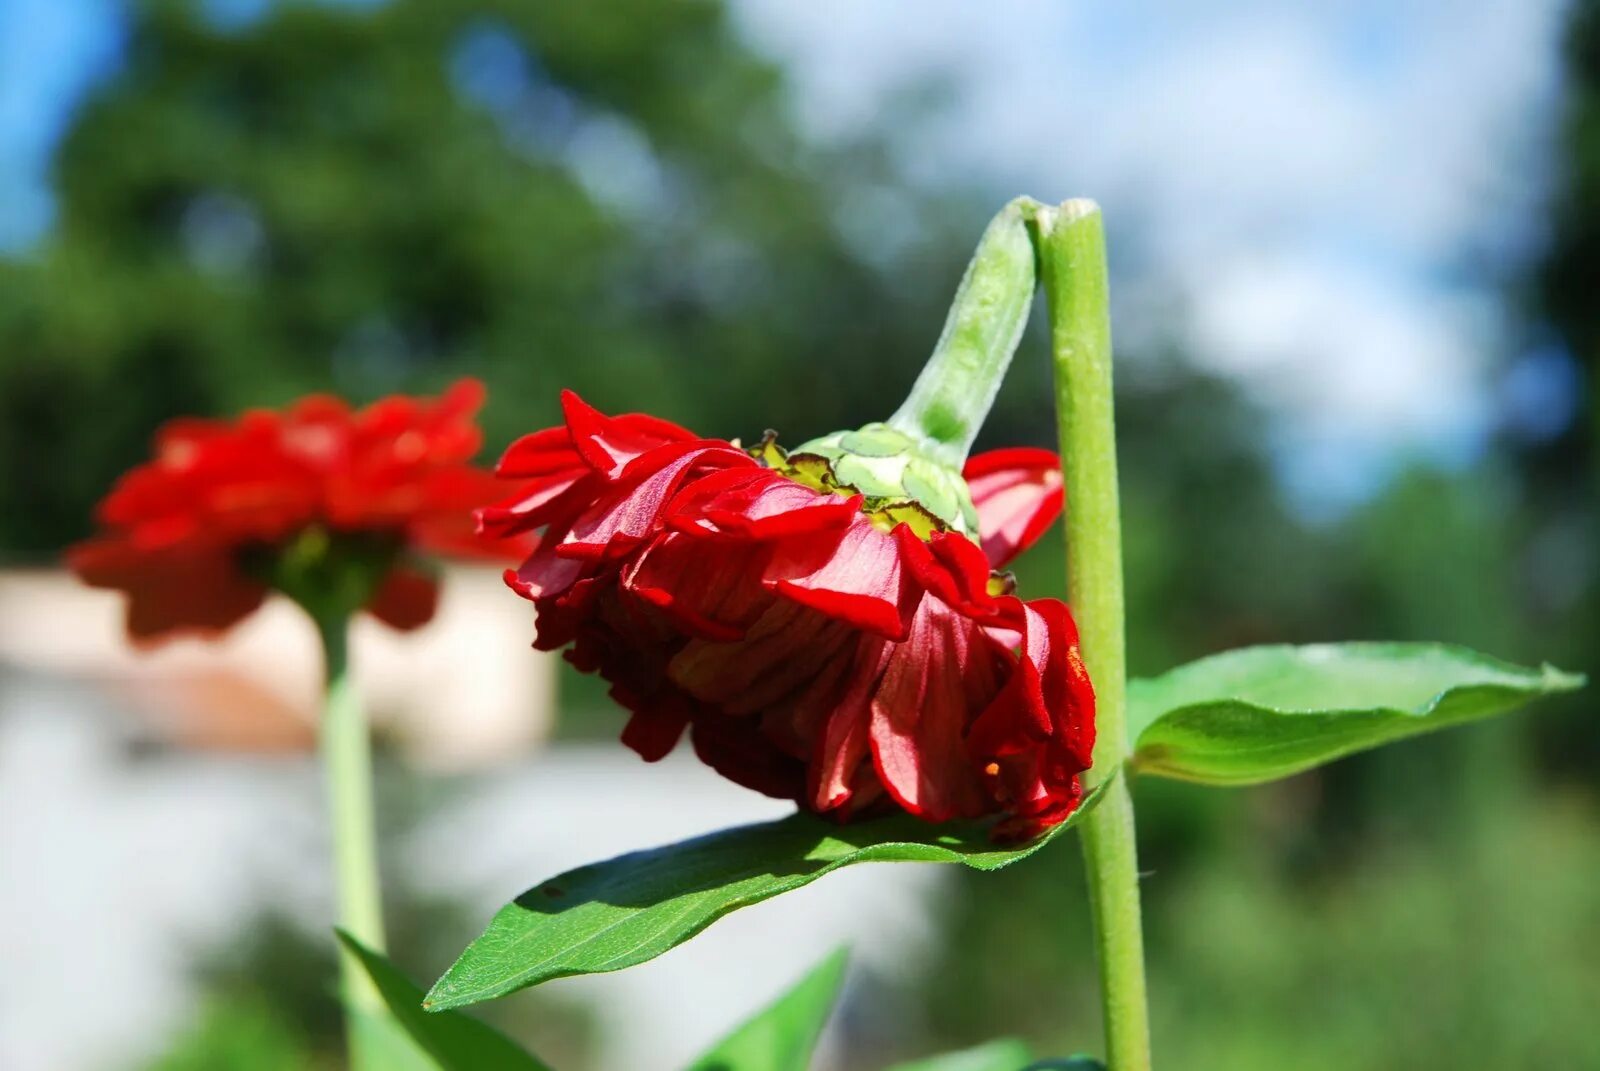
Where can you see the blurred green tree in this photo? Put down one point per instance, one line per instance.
(362, 198)
(1560, 558)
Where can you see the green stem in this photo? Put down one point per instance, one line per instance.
(957, 386)
(347, 764)
(1073, 263)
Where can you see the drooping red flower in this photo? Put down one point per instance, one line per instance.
(191, 535)
(818, 644)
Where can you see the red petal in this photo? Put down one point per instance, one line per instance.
(842, 743)
(782, 651)
(623, 519)
(541, 453)
(461, 400)
(541, 504)
(188, 589)
(1038, 733)
(656, 727)
(735, 748)
(919, 716)
(1018, 493)
(546, 574)
(406, 599)
(760, 504)
(855, 577)
(951, 568)
(610, 443)
(710, 593)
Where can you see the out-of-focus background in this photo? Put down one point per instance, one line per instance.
(1356, 250)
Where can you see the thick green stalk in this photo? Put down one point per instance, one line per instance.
(347, 765)
(1073, 264)
(953, 393)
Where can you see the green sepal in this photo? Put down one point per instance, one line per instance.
(331, 574)
(899, 475)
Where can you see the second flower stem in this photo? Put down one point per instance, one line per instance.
(347, 765)
(1071, 243)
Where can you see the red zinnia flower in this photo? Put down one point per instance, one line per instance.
(198, 535)
(847, 650)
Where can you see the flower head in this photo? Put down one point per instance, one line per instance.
(822, 632)
(322, 501)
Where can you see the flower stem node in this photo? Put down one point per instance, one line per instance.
(331, 574)
(899, 479)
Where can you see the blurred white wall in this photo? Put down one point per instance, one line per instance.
(580, 805)
(153, 802)
(118, 863)
(464, 690)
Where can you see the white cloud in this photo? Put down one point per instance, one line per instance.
(1312, 179)
(1348, 349)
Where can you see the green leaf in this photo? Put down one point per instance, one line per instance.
(455, 1042)
(782, 1035)
(630, 909)
(384, 1045)
(1260, 713)
(1008, 1054)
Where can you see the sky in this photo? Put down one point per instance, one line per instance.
(1334, 192)
(1334, 195)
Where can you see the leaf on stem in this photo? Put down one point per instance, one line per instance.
(452, 1041)
(1261, 713)
(1008, 1054)
(630, 909)
(782, 1035)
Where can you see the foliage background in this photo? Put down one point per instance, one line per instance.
(620, 198)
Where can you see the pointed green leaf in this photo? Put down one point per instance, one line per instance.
(782, 1035)
(1260, 713)
(1008, 1054)
(455, 1042)
(627, 910)
(384, 1045)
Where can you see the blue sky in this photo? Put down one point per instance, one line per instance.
(50, 51)
(1332, 193)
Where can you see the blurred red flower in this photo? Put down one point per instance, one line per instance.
(193, 535)
(814, 650)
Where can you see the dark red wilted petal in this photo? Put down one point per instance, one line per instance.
(855, 576)
(656, 726)
(951, 568)
(920, 714)
(735, 748)
(709, 596)
(812, 654)
(1038, 732)
(843, 742)
(632, 512)
(759, 504)
(1018, 493)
